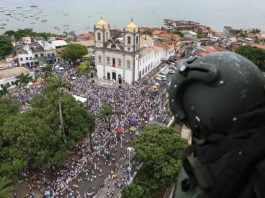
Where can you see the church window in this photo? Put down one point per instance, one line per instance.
(129, 40)
(99, 36)
(119, 62)
(107, 35)
(108, 60)
(99, 59)
(137, 39)
(128, 64)
(113, 62)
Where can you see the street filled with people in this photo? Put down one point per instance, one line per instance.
(103, 161)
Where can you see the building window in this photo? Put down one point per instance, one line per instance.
(108, 60)
(27, 58)
(137, 39)
(113, 62)
(41, 54)
(129, 40)
(99, 36)
(99, 59)
(128, 64)
(36, 55)
(21, 59)
(30, 58)
(119, 62)
(108, 76)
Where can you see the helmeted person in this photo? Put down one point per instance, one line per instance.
(221, 98)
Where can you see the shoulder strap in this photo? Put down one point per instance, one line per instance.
(238, 170)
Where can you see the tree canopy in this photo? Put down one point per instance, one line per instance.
(74, 51)
(256, 55)
(5, 47)
(160, 150)
(33, 140)
(22, 80)
(5, 187)
(83, 68)
(27, 32)
(7, 108)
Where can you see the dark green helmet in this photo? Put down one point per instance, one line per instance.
(209, 93)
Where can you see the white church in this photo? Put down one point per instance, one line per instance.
(124, 56)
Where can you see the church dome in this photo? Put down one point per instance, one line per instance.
(132, 27)
(102, 24)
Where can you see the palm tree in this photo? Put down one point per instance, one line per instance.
(6, 187)
(4, 89)
(23, 80)
(47, 70)
(57, 84)
(107, 112)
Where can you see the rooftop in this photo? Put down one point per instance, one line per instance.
(148, 50)
(13, 72)
(87, 43)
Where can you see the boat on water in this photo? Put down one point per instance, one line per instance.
(19, 7)
(8, 13)
(33, 6)
(44, 21)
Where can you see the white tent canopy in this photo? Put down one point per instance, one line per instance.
(79, 98)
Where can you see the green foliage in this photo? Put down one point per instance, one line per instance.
(78, 123)
(47, 70)
(256, 55)
(178, 33)
(74, 51)
(23, 79)
(27, 32)
(83, 68)
(5, 47)
(4, 89)
(243, 33)
(106, 112)
(7, 109)
(29, 142)
(160, 150)
(33, 140)
(255, 31)
(6, 187)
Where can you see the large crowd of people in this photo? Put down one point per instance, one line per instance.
(89, 170)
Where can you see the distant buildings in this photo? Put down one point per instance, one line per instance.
(28, 53)
(124, 56)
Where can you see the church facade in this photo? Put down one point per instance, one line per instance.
(119, 55)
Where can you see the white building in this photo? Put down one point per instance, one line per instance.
(8, 76)
(119, 55)
(29, 54)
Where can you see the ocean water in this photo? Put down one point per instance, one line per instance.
(80, 15)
